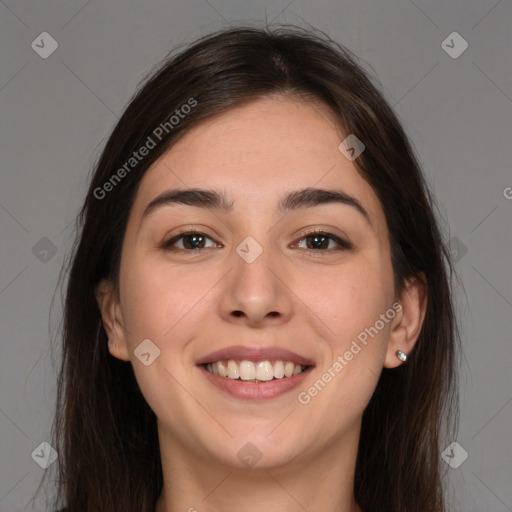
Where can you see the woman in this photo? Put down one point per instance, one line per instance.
(258, 311)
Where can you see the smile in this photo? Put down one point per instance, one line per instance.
(255, 371)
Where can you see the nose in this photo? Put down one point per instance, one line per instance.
(256, 293)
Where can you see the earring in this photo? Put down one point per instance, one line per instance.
(401, 355)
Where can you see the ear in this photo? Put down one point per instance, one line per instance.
(112, 319)
(408, 321)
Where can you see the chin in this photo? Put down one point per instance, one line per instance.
(257, 452)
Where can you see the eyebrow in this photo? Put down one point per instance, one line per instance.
(216, 200)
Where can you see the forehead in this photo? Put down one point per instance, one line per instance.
(257, 152)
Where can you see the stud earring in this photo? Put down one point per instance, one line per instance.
(401, 355)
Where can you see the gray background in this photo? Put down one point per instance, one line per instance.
(56, 112)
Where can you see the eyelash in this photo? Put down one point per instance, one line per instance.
(342, 244)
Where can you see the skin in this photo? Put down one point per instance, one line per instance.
(314, 303)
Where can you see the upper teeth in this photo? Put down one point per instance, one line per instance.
(248, 370)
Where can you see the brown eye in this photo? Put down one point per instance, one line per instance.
(320, 241)
(188, 241)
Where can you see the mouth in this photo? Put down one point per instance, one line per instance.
(255, 373)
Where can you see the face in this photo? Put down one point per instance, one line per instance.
(264, 283)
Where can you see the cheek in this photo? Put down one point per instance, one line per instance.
(163, 303)
(157, 297)
(352, 302)
(349, 299)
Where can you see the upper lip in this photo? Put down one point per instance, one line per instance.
(254, 354)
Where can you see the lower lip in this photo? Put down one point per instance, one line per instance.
(256, 390)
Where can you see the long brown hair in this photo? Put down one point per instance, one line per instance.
(104, 431)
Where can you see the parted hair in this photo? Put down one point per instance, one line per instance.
(104, 431)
